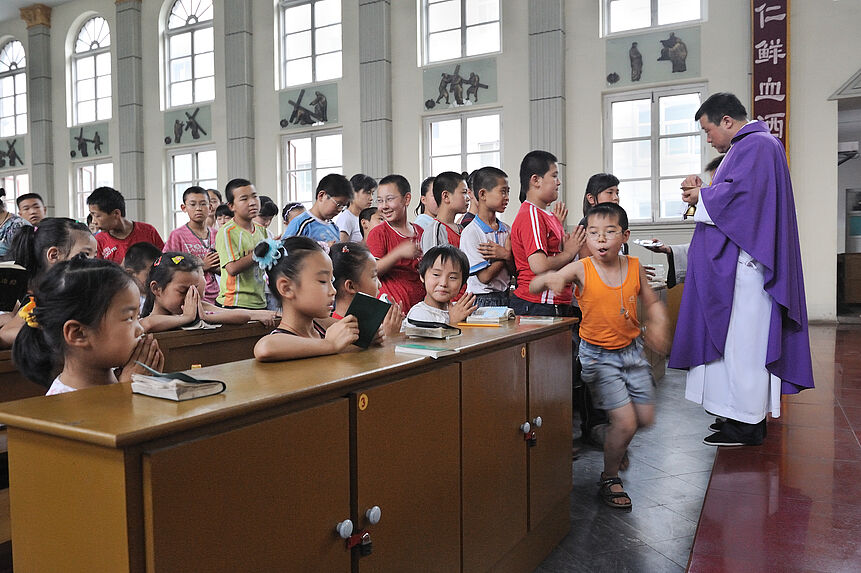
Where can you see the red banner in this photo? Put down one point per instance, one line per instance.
(770, 43)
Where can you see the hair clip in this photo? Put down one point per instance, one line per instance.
(157, 262)
(27, 314)
(273, 253)
(177, 259)
(345, 249)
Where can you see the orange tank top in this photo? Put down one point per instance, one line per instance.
(603, 322)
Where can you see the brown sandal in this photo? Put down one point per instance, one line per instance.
(609, 496)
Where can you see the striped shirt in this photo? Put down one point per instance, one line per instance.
(246, 289)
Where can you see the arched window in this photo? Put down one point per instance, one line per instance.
(91, 72)
(190, 53)
(13, 89)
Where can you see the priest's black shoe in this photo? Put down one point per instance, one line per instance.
(721, 439)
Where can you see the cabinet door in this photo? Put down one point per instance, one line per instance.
(407, 462)
(493, 403)
(550, 398)
(265, 497)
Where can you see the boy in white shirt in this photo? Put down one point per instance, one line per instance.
(442, 270)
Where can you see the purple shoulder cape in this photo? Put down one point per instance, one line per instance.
(752, 206)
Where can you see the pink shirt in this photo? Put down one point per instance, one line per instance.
(184, 240)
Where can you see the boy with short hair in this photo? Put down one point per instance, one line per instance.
(486, 241)
(108, 208)
(449, 192)
(348, 221)
(197, 239)
(611, 353)
(334, 193)
(368, 219)
(31, 207)
(442, 270)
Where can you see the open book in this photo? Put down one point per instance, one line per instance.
(176, 386)
(490, 315)
(13, 285)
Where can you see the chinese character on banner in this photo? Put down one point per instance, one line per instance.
(770, 55)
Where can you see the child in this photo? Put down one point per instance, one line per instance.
(197, 239)
(223, 215)
(538, 240)
(9, 225)
(215, 201)
(601, 188)
(31, 207)
(611, 352)
(334, 193)
(108, 208)
(443, 270)
(83, 321)
(486, 241)
(355, 271)
(427, 205)
(368, 219)
(395, 244)
(291, 211)
(449, 192)
(173, 298)
(473, 203)
(137, 262)
(301, 274)
(348, 221)
(268, 210)
(92, 226)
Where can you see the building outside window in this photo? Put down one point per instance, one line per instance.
(306, 159)
(91, 72)
(89, 176)
(190, 53)
(13, 89)
(187, 168)
(460, 28)
(623, 15)
(462, 142)
(310, 41)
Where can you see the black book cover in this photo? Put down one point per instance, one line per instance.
(370, 312)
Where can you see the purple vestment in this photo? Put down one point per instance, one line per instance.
(751, 204)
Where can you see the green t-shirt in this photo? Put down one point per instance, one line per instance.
(245, 290)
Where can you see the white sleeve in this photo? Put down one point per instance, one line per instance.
(469, 242)
(702, 214)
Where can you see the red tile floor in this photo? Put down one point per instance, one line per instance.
(793, 503)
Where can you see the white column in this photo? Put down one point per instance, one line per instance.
(239, 78)
(375, 73)
(547, 77)
(129, 177)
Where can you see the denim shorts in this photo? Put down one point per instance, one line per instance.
(616, 377)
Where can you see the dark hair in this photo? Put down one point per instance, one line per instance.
(486, 178)
(108, 200)
(609, 210)
(595, 185)
(217, 194)
(27, 196)
(445, 253)
(719, 105)
(398, 181)
(712, 165)
(194, 190)
(2, 191)
(445, 181)
(232, 185)
(289, 207)
(268, 208)
(365, 215)
(362, 182)
(535, 162)
(162, 272)
(89, 220)
(140, 256)
(335, 185)
(222, 210)
(28, 247)
(294, 250)
(78, 289)
(348, 259)
(427, 185)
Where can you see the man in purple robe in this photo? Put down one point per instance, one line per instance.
(742, 327)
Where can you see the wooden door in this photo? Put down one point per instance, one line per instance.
(407, 462)
(550, 398)
(265, 497)
(493, 403)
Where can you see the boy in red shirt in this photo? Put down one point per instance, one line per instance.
(108, 208)
(450, 193)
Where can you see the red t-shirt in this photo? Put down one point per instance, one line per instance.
(402, 282)
(534, 230)
(114, 249)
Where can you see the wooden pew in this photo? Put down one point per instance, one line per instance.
(227, 343)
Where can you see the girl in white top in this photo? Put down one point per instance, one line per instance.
(82, 320)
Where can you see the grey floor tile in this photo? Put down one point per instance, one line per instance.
(636, 560)
(699, 479)
(657, 524)
(678, 550)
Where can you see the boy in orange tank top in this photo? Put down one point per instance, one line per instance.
(611, 351)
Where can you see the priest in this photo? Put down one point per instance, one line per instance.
(742, 327)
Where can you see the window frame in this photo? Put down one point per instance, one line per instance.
(284, 189)
(462, 116)
(91, 53)
(13, 73)
(80, 201)
(13, 194)
(187, 28)
(173, 207)
(606, 23)
(425, 33)
(283, 6)
(654, 139)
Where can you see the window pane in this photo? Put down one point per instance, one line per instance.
(299, 154)
(103, 64)
(180, 45)
(21, 103)
(182, 167)
(7, 106)
(7, 86)
(327, 12)
(21, 124)
(206, 165)
(635, 197)
(446, 163)
(482, 39)
(631, 118)
(180, 70)
(180, 93)
(204, 65)
(86, 111)
(672, 205)
(84, 68)
(477, 160)
(105, 175)
(328, 39)
(677, 113)
(329, 152)
(670, 11)
(20, 83)
(444, 15)
(103, 108)
(680, 155)
(298, 72)
(444, 46)
(329, 66)
(445, 138)
(204, 89)
(632, 159)
(630, 14)
(300, 187)
(203, 41)
(86, 89)
(478, 11)
(297, 45)
(297, 18)
(7, 126)
(103, 86)
(482, 133)
(208, 183)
